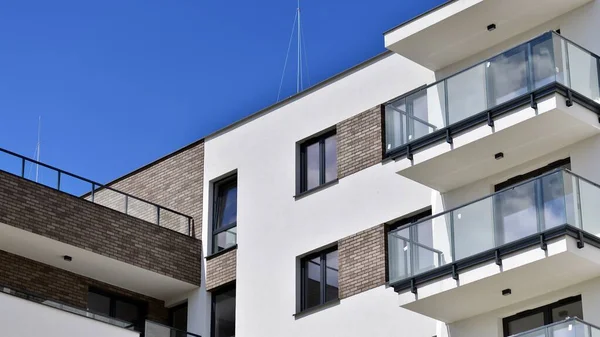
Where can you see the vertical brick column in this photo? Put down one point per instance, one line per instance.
(359, 142)
(221, 269)
(362, 261)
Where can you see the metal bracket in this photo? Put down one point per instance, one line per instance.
(533, 102)
(448, 136)
(543, 244)
(413, 287)
(498, 258)
(569, 98)
(409, 154)
(490, 120)
(580, 243)
(454, 272)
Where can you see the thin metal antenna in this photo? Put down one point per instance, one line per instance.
(299, 69)
(37, 151)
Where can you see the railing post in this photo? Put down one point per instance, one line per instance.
(190, 226)
(22, 167)
(126, 203)
(58, 182)
(93, 188)
(158, 215)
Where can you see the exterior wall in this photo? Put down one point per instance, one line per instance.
(52, 283)
(359, 142)
(59, 216)
(175, 181)
(23, 318)
(274, 228)
(362, 261)
(220, 270)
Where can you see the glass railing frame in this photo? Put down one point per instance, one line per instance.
(445, 132)
(96, 188)
(565, 321)
(32, 297)
(466, 262)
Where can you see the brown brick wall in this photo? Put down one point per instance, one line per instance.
(52, 283)
(362, 261)
(359, 142)
(221, 269)
(176, 182)
(75, 221)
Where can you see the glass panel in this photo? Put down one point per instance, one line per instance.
(98, 303)
(174, 221)
(507, 76)
(75, 186)
(331, 288)
(127, 312)
(227, 207)
(467, 94)
(399, 257)
(473, 228)
(110, 198)
(567, 311)
(417, 116)
(571, 328)
(11, 164)
(589, 197)
(436, 105)
(542, 53)
(331, 158)
(225, 239)
(394, 122)
(553, 196)
(426, 257)
(224, 314)
(312, 166)
(583, 72)
(41, 174)
(142, 210)
(516, 213)
(527, 323)
(312, 295)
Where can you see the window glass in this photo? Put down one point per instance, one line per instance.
(313, 282)
(227, 205)
(179, 318)
(225, 214)
(526, 323)
(319, 161)
(126, 311)
(331, 288)
(542, 316)
(330, 158)
(320, 278)
(98, 303)
(567, 311)
(224, 314)
(312, 166)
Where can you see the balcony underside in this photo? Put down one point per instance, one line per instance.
(521, 135)
(95, 266)
(459, 29)
(479, 289)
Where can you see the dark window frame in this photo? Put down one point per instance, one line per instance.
(174, 309)
(213, 303)
(320, 139)
(142, 306)
(322, 254)
(545, 309)
(228, 182)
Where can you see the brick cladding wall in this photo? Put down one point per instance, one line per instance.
(362, 261)
(221, 269)
(176, 182)
(359, 142)
(52, 283)
(80, 223)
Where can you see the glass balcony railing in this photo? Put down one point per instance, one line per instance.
(513, 74)
(525, 210)
(154, 329)
(571, 327)
(94, 192)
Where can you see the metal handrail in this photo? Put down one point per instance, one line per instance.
(32, 297)
(545, 327)
(95, 187)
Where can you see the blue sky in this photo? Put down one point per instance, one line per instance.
(119, 83)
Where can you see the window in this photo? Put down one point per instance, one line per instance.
(224, 214)
(223, 313)
(548, 314)
(318, 161)
(178, 319)
(118, 307)
(319, 278)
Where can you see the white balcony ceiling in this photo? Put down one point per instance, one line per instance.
(459, 29)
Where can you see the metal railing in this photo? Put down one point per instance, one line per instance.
(571, 327)
(95, 192)
(154, 329)
(529, 208)
(66, 307)
(496, 82)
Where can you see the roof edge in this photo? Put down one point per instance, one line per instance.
(440, 6)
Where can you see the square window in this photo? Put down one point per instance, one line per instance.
(319, 278)
(224, 214)
(318, 161)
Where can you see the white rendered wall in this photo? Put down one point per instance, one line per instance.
(274, 228)
(23, 318)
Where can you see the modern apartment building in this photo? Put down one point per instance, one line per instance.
(448, 187)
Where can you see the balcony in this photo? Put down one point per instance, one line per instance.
(24, 315)
(457, 29)
(571, 327)
(529, 101)
(545, 229)
(154, 329)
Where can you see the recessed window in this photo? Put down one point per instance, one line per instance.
(223, 313)
(548, 314)
(318, 161)
(116, 306)
(319, 273)
(225, 214)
